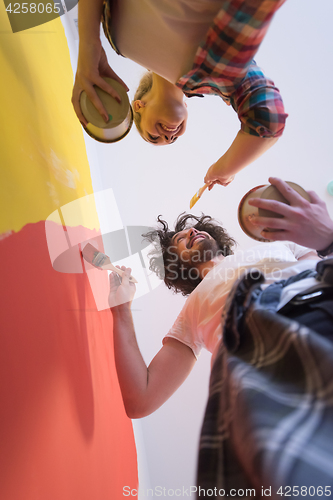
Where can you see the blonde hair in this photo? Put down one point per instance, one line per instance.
(145, 85)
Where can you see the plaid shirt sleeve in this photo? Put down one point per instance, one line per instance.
(259, 105)
(224, 66)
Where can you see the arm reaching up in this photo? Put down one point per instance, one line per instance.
(260, 110)
(244, 150)
(144, 389)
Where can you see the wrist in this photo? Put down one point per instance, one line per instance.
(90, 46)
(326, 245)
(222, 166)
(326, 251)
(121, 309)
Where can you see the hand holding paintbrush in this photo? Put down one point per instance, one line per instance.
(122, 290)
(101, 261)
(208, 185)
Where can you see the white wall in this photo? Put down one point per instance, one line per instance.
(149, 180)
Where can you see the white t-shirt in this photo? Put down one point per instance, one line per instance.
(162, 35)
(199, 323)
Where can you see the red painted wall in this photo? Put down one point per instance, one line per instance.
(63, 431)
(64, 434)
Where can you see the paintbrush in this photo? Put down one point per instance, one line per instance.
(101, 261)
(197, 195)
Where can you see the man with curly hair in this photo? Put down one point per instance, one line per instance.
(269, 415)
(185, 263)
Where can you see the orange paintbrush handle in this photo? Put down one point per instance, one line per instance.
(197, 195)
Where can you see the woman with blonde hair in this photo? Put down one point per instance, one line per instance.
(192, 48)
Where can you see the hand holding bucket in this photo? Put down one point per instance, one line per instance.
(264, 192)
(120, 114)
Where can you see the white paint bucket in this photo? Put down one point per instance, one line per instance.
(265, 192)
(120, 114)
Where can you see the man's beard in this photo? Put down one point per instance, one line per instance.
(206, 250)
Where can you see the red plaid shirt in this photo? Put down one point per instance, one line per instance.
(224, 66)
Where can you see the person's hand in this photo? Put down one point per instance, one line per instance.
(306, 223)
(92, 67)
(215, 175)
(121, 289)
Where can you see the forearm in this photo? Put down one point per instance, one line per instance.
(260, 109)
(244, 150)
(89, 19)
(144, 389)
(131, 369)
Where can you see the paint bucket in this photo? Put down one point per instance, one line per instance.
(120, 114)
(265, 192)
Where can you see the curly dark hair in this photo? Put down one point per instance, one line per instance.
(162, 259)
